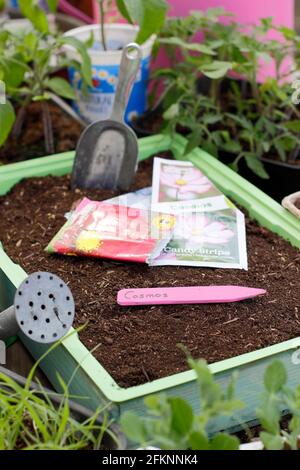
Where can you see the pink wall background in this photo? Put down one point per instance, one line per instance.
(247, 11)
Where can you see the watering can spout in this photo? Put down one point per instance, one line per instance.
(8, 324)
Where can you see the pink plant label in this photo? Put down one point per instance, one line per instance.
(187, 295)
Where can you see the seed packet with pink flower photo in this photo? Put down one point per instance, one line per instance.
(207, 239)
(209, 231)
(198, 239)
(179, 185)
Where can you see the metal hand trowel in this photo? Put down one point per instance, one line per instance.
(107, 152)
(43, 309)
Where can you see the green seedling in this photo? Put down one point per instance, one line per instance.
(277, 397)
(245, 120)
(31, 418)
(170, 422)
(149, 15)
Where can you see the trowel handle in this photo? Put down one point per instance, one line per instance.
(130, 64)
(8, 324)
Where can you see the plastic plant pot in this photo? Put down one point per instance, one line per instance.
(87, 377)
(97, 103)
(289, 202)
(284, 178)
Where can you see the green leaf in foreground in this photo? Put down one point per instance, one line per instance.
(224, 441)
(270, 441)
(182, 415)
(52, 4)
(275, 377)
(194, 140)
(150, 15)
(133, 427)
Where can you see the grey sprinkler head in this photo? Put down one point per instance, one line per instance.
(43, 309)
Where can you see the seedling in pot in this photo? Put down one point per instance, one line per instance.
(29, 62)
(35, 418)
(239, 120)
(171, 423)
(43, 309)
(107, 152)
(278, 396)
(141, 12)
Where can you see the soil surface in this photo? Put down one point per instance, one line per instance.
(140, 344)
(32, 143)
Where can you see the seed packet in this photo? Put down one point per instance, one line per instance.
(209, 231)
(204, 239)
(103, 230)
(208, 239)
(179, 185)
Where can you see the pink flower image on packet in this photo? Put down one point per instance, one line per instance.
(102, 230)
